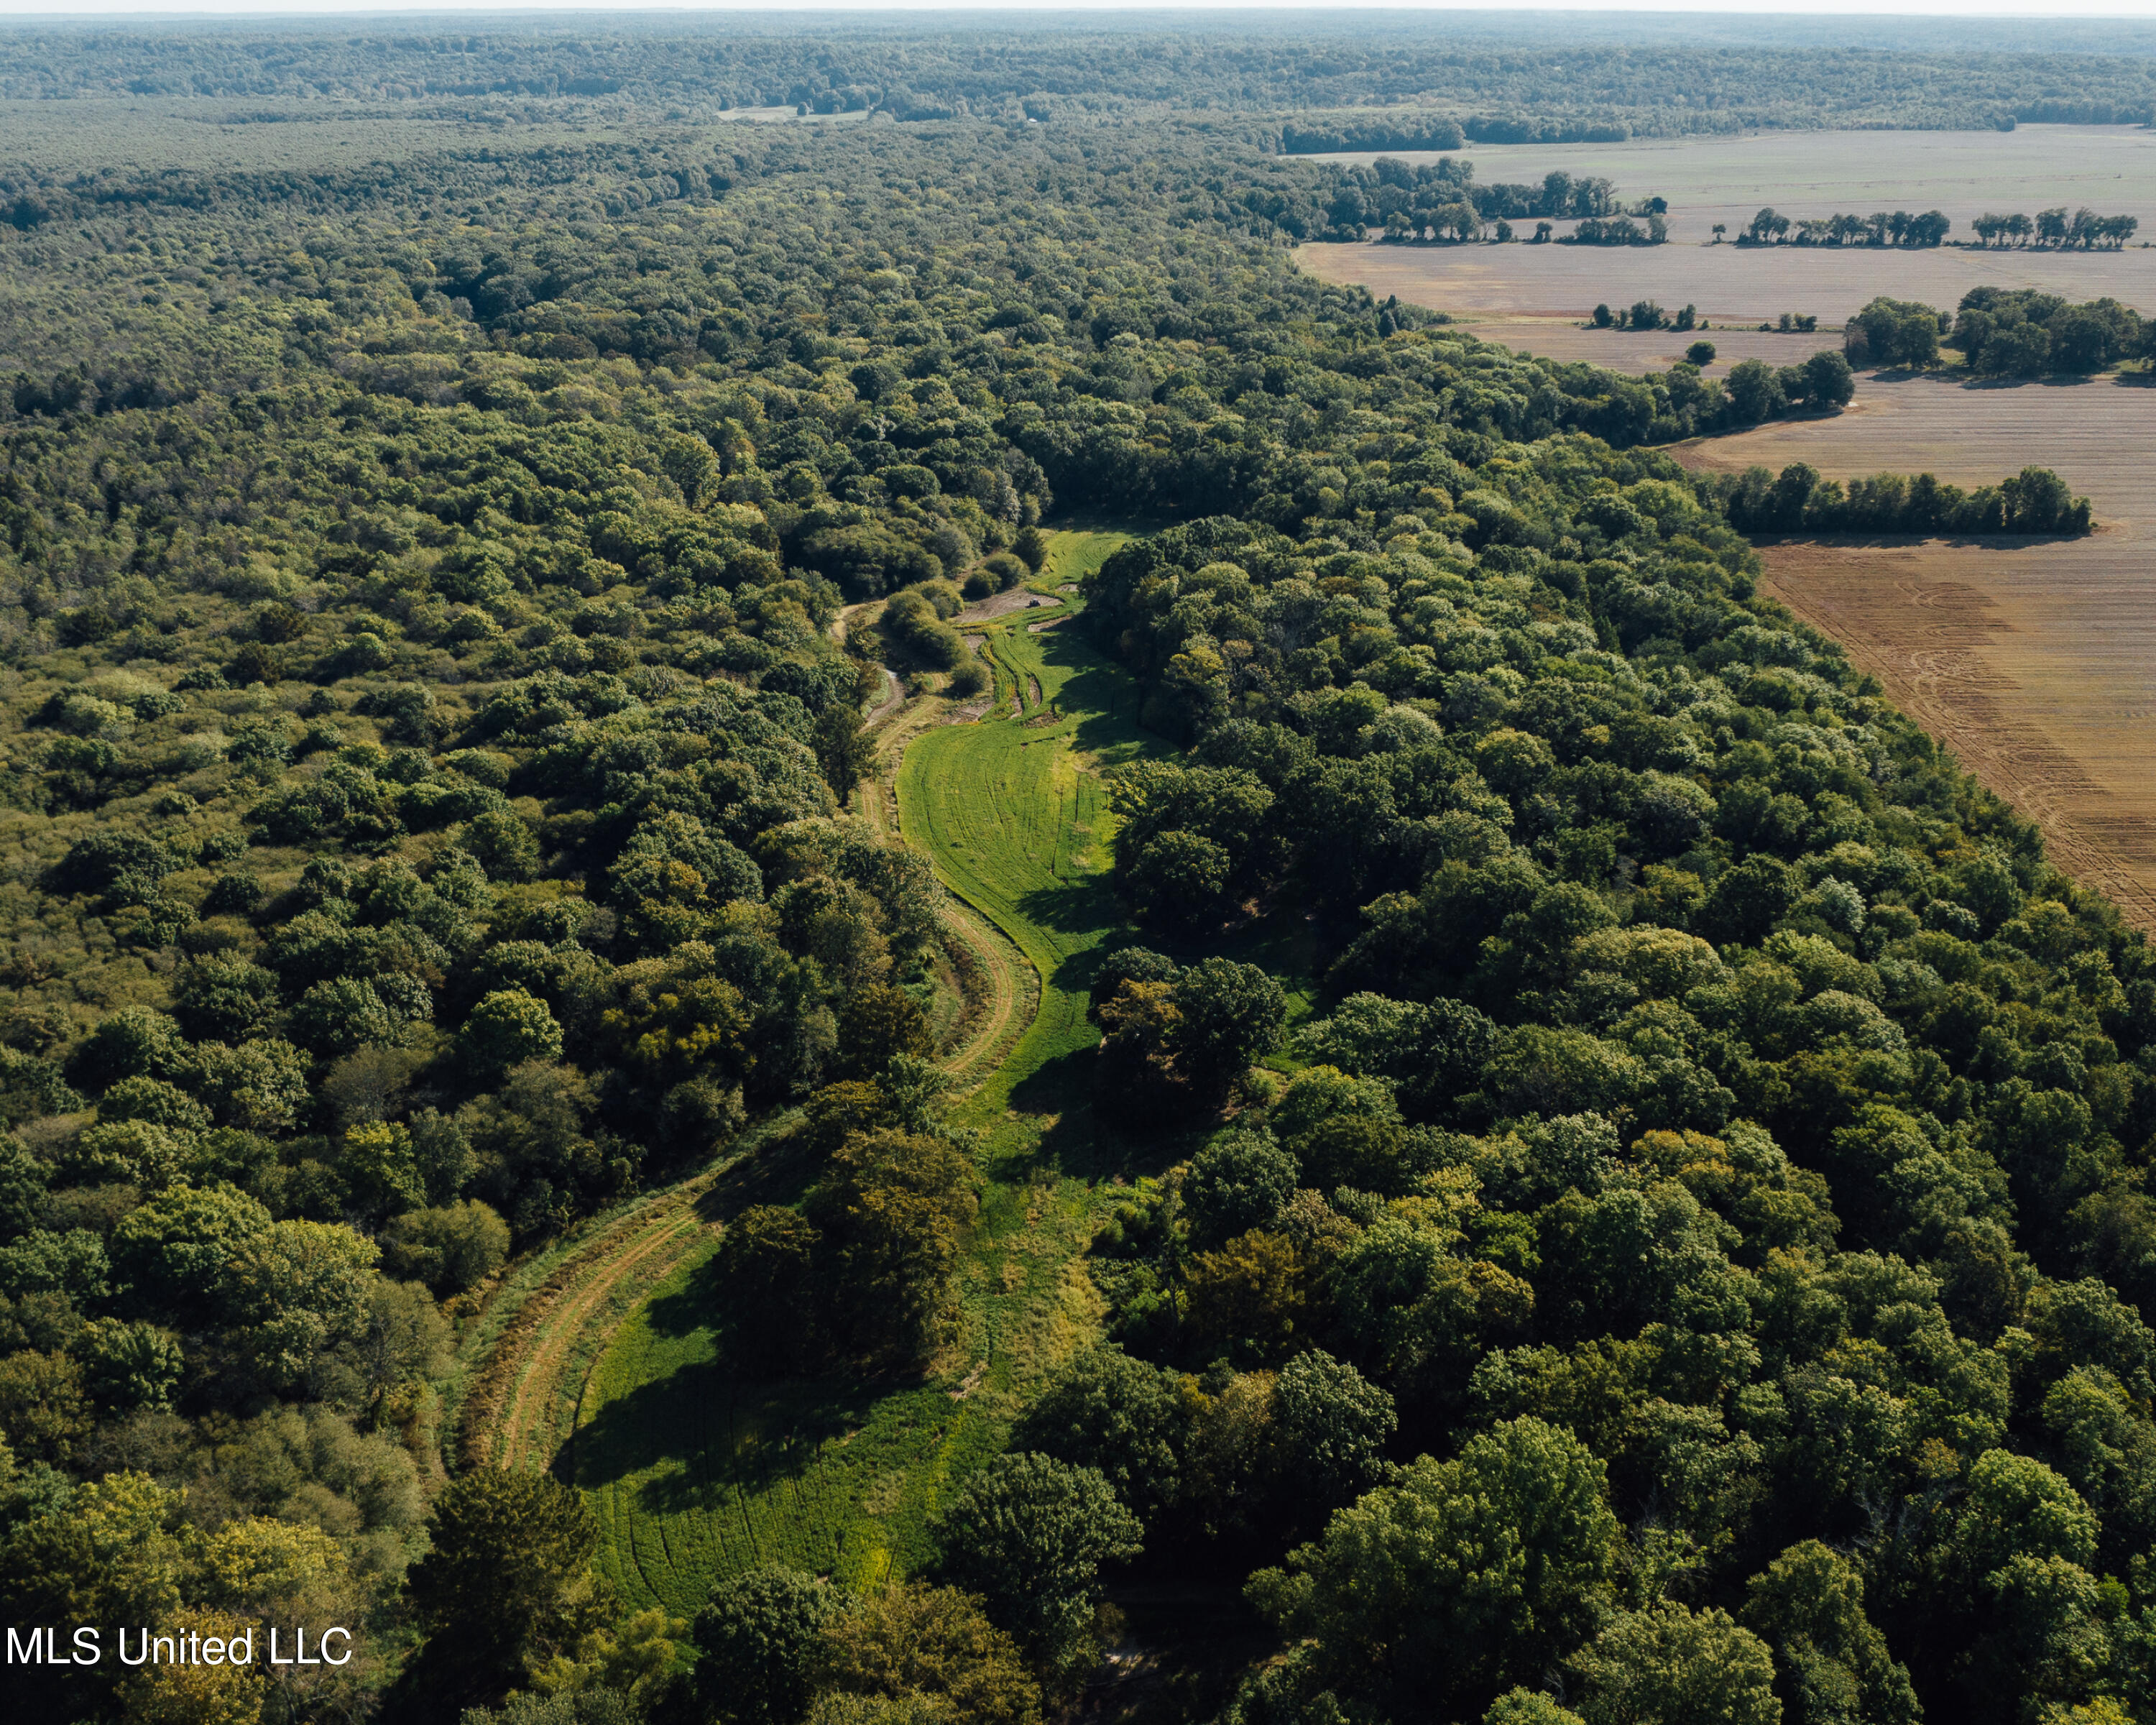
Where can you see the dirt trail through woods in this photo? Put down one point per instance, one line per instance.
(520, 1402)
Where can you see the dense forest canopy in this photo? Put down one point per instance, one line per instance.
(1512, 83)
(1687, 1260)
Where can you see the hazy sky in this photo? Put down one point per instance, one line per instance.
(43, 10)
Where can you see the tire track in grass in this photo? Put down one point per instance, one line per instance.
(529, 1361)
(1009, 989)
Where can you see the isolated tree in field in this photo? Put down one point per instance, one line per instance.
(1700, 353)
(1029, 1534)
(761, 1653)
(891, 1209)
(1828, 382)
(505, 1577)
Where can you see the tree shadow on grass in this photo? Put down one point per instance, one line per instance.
(1105, 699)
(775, 1173)
(1057, 1085)
(727, 1433)
(1085, 905)
(690, 1306)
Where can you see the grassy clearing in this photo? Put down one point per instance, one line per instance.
(694, 1476)
(1013, 811)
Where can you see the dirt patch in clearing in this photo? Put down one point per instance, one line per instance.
(1002, 605)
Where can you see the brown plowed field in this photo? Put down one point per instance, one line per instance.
(1514, 293)
(1728, 284)
(2035, 661)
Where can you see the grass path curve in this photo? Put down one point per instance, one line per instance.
(695, 1475)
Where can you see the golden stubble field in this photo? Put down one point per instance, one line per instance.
(2035, 662)
(1528, 295)
(2111, 168)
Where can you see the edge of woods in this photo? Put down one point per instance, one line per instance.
(597, 1358)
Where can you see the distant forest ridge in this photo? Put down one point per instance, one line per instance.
(1541, 85)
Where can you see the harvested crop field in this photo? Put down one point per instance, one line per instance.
(1482, 283)
(2034, 661)
(2112, 169)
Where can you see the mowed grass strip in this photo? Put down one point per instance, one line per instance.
(695, 1476)
(1015, 816)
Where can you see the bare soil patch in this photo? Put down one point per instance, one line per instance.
(1002, 605)
(1728, 284)
(2110, 168)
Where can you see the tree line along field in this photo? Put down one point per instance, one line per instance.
(2033, 661)
(1964, 173)
(1522, 289)
(2030, 660)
